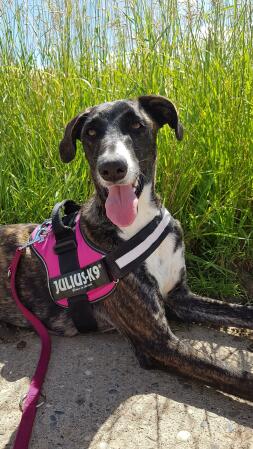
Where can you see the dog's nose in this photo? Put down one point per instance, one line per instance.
(113, 170)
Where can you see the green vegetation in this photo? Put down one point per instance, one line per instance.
(58, 57)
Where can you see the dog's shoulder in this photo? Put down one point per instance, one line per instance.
(12, 236)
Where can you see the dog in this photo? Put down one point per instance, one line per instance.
(119, 141)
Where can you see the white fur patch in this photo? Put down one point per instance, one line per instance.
(122, 151)
(164, 264)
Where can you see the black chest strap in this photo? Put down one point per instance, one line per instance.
(131, 253)
(66, 248)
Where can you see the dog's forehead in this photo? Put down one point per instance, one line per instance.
(114, 109)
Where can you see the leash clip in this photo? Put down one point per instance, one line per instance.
(39, 236)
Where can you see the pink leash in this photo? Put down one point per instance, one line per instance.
(29, 408)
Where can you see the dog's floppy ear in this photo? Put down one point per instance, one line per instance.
(162, 111)
(71, 134)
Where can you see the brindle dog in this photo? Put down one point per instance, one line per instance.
(119, 140)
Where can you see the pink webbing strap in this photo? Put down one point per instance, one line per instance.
(29, 408)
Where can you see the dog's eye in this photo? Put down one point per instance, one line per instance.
(91, 132)
(136, 125)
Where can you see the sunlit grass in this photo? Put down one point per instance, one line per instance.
(59, 57)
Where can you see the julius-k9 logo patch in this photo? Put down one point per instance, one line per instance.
(79, 281)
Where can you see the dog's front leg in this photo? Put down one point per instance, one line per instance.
(190, 307)
(138, 312)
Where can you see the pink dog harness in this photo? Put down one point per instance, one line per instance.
(78, 274)
(91, 278)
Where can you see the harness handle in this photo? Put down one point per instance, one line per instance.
(60, 230)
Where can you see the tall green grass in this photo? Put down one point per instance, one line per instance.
(58, 57)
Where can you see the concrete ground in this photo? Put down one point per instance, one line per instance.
(97, 396)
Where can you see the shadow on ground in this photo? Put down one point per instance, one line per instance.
(98, 397)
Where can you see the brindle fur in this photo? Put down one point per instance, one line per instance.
(136, 308)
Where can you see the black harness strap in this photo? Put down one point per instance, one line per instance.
(66, 248)
(131, 253)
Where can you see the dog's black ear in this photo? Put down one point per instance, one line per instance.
(71, 134)
(162, 111)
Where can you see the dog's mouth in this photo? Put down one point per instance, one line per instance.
(122, 202)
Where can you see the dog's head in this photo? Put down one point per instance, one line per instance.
(119, 140)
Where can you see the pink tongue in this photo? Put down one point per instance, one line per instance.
(121, 205)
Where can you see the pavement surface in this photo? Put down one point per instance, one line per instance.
(97, 396)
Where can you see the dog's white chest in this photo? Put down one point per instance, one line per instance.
(166, 262)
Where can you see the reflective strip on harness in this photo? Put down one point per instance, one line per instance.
(140, 249)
